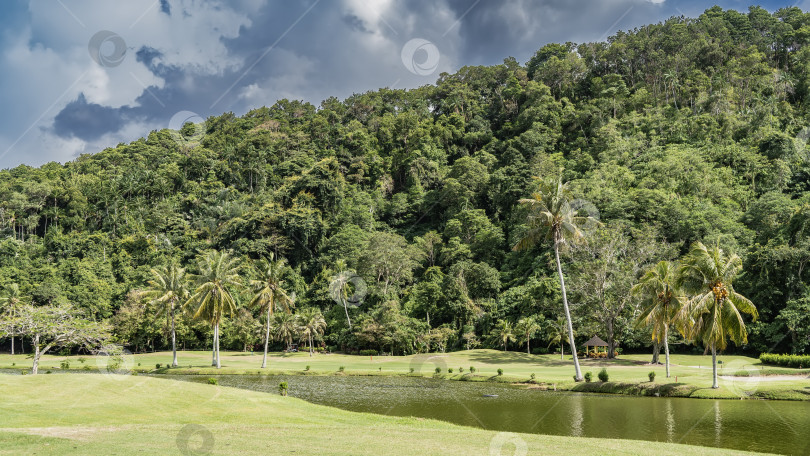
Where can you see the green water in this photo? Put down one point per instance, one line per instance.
(764, 426)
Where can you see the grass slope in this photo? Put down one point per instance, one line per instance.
(120, 415)
(743, 376)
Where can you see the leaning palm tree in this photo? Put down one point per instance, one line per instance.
(660, 301)
(714, 312)
(10, 304)
(269, 294)
(527, 327)
(558, 335)
(503, 332)
(552, 218)
(213, 298)
(312, 325)
(166, 289)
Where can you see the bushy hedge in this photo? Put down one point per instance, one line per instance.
(368, 352)
(798, 361)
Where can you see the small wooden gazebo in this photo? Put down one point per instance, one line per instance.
(595, 341)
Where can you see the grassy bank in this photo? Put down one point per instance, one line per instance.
(742, 377)
(113, 414)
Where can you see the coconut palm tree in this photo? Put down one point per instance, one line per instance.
(10, 304)
(660, 301)
(503, 332)
(311, 325)
(285, 327)
(552, 218)
(526, 328)
(269, 294)
(714, 311)
(558, 335)
(213, 298)
(166, 289)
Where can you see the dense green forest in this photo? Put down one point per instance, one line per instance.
(689, 130)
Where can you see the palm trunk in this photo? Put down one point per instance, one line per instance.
(656, 352)
(346, 308)
(266, 339)
(174, 340)
(562, 350)
(666, 348)
(528, 350)
(310, 345)
(577, 371)
(214, 348)
(35, 367)
(714, 367)
(12, 342)
(216, 330)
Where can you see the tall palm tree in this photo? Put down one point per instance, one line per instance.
(660, 301)
(213, 298)
(285, 327)
(503, 332)
(269, 294)
(559, 335)
(312, 325)
(10, 304)
(166, 289)
(553, 219)
(714, 311)
(527, 327)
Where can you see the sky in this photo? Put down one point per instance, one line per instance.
(77, 76)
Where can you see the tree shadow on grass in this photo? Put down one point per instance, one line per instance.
(490, 357)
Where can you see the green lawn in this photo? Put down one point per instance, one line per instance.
(628, 374)
(122, 414)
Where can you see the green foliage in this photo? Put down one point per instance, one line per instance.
(603, 375)
(797, 361)
(588, 377)
(500, 371)
(213, 381)
(651, 376)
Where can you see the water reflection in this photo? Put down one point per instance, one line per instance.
(577, 417)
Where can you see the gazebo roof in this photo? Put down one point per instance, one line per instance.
(595, 342)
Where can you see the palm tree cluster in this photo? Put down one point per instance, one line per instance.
(696, 296)
(211, 294)
(698, 299)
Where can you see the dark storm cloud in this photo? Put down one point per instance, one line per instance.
(87, 121)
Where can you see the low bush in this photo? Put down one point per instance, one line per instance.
(603, 375)
(472, 369)
(411, 370)
(341, 369)
(213, 381)
(460, 370)
(450, 370)
(282, 388)
(588, 377)
(500, 371)
(307, 368)
(65, 364)
(368, 352)
(651, 375)
(540, 351)
(157, 366)
(533, 376)
(438, 370)
(796, 361)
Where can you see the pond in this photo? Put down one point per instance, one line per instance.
(764, 426)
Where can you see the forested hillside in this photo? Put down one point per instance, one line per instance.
(689, 130)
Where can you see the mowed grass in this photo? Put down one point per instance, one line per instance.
(691, 375)
(125, 414)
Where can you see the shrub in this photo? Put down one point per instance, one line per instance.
(472, 369)
(575, 378)
(341, 369)
(652, 376)
(540, 351)
(795, 361)
(307, 368)
(450, 371)
(82, 359)
(139, 364)
(411, 370)
(533, 376)
(157, 366)
(460, 370)
(368, 352)
(13, 364)
(500, 371)
(65, 364)
(588, 377)
(86, 367)
(603, 375)
(438, 370)
(282, 388)
(213, 381)
(48, 372)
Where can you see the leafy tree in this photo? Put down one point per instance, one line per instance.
(269, 293)
(551, 218)
(166, 289)
(527, 328)
(714, 312)
(312, 325)
(503, 332)
(558, 333)
(10, 304)
(213, 298)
